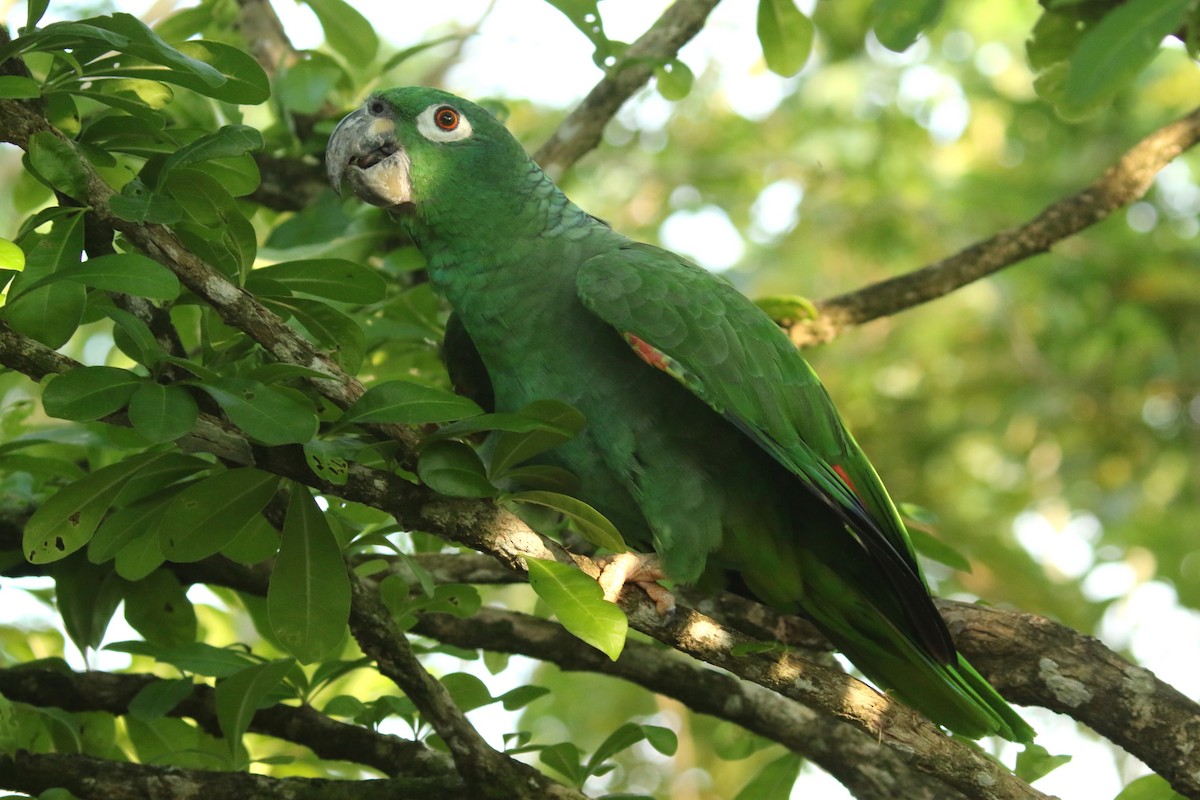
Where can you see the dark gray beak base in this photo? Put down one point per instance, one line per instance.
(365, 153)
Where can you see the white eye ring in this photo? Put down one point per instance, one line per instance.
(443, 123)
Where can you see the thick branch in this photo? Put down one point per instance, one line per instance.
(583, 127)
(327, 738)
(490, 773)
(867, 768)
(264, 35)
(86, 777)
(1032, 659)
(1120, 185)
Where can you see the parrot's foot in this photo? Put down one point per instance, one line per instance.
(642, 570)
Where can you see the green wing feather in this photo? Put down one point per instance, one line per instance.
(731, 355)
(698, 328)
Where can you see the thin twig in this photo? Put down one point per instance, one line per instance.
(1121, 184)
(580, 132)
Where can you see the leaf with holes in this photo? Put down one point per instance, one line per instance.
(66, 521)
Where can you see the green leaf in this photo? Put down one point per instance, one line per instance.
(136, 203)
(308, 598)
(674, 79)
(162, 413)
(307, 85)
(124, 525)
(34, 12)
(661, 739)
(228, 141)
(87, 595)
(65, 522)
(347, 31)
(55, 160)
(1111, 54)
(140, 556)
(239, 696)
(254, 543)
(88, 393)
(326, 461)
(467, 691)
(518, 698)
(1036, 762)
(271, 414)
(786, 36)
(775, 781)
(49, 314)
(587, 521)
(559, 423)
(333, 330)
(129, 273)
(625, 737)
(18, 87)
(585, 15)
(408, 403)
(156, 699)
(932, 547)
(330, 278)
(1149, 787)
(157, 607)
(454, 469)
(898, 23)
(566, 759)
(11, 256)
(242, 80)
(196, 658)
(207, 515)
(548, 477)
(579, 604)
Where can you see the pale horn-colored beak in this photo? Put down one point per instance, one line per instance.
(365, 153)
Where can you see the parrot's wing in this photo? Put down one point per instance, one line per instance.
(468, 374)
(695, 326)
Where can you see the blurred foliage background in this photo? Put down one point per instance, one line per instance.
(1048, 416)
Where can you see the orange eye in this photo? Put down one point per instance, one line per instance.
(446, 118)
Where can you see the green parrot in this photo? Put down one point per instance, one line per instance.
(709, 439)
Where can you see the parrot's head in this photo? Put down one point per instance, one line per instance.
(417, 146)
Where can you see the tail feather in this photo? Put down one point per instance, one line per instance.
(954, 695)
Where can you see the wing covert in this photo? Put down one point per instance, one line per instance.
(697, 327)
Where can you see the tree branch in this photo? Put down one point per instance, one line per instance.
(1121, 184)
(327, 738)
(87, 777)
(490, 773)
(583, 127)
(1035, 660)
(864, 766)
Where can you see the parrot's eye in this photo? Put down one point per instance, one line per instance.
(446, 118)
(442, 123)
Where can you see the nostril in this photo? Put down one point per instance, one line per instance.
(375, 107)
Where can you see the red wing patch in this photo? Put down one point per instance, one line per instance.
(649, 353)
(841, 471)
